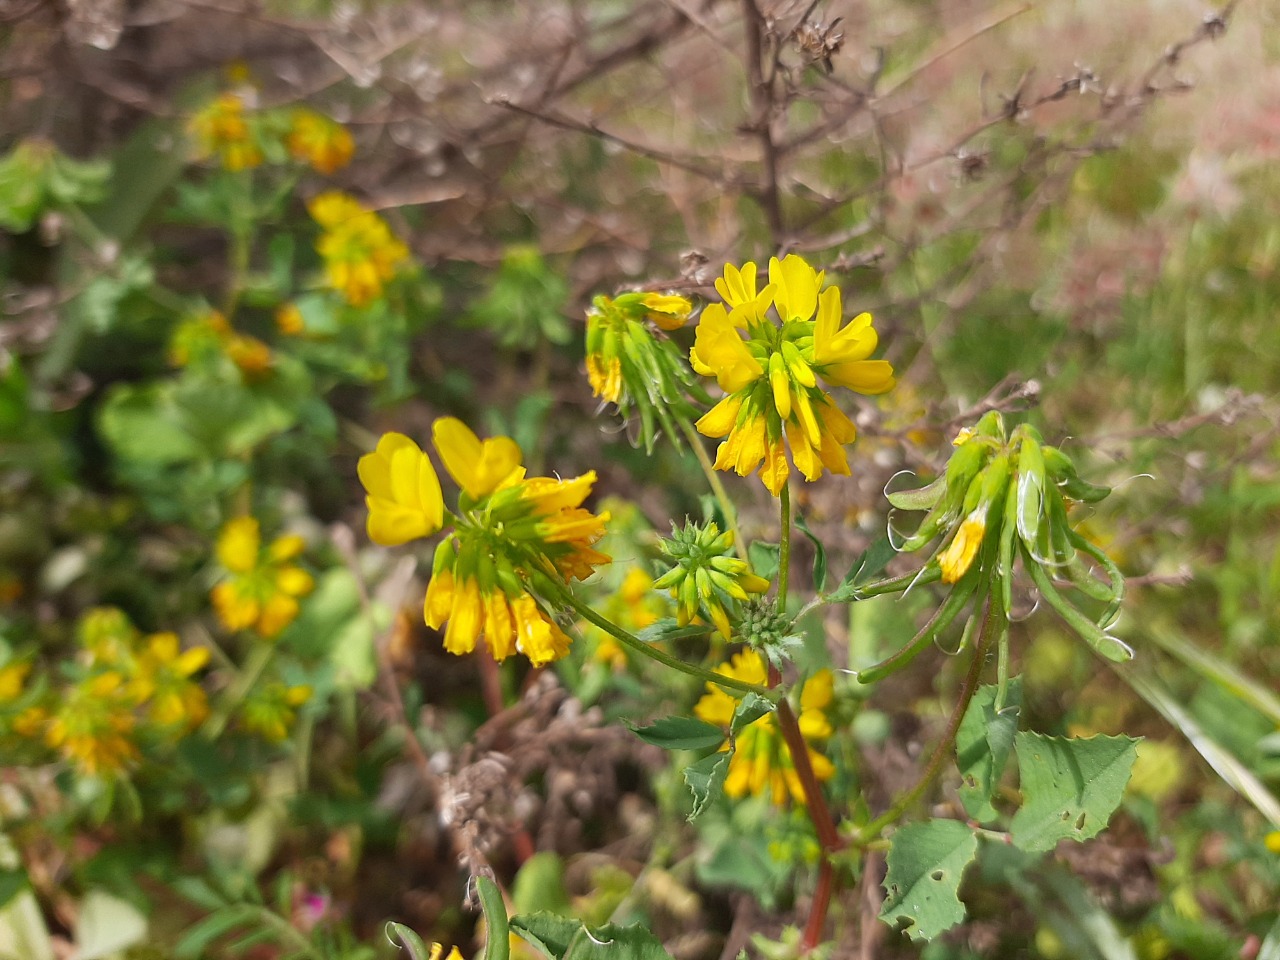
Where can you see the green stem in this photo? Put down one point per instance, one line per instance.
(872, 830)
(784, 546)
(249, 675)
(652, 652)
(713, 480)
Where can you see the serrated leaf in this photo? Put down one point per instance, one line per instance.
(563, 939)
(750, 709)
(680, 733)
(819, 554)
(926, 864)
(983, 743)
(706, 779)
(1070, 787)
(406, 937)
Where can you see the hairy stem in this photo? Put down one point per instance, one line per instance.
(989, 628)
(661, 656)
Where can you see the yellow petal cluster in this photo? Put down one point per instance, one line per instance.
(316, 140)
(206, 336)
(221, 129)
(767, 349)
(761, 764)
(261, 589)
(361, 254)
(508, 528)
(271, 709)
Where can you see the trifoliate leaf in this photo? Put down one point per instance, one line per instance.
(1070, 787)
(926, 863)
(680, 733)
(983, 743)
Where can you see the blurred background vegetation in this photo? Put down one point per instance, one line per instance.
(1067, 211)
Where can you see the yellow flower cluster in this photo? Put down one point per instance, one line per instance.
(614, 332)
(262, 590)
(509, 530)
(762, 764)
(208, 335)
(315, 139)
(769, 366)
(126, 679)
(361, 255)
(222, 130)
(240, 138)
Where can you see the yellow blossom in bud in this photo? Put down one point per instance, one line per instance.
(957, 558)
(668, 310)
(761, 763)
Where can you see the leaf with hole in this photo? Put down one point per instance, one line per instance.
(983, 744)
(926, 864)
(1070, 787)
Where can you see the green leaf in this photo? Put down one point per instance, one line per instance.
(983, 743)
(819, 554)
(406, 937)
(667, 629)
(765, 558)
(539, 885)
(549, 933)
(146, 425)
(680, 733)
(564, 939)
(196, 939)
(12, 882)
(1271, 946)
(926, 863)
(706, 779)
(750, 709)
(1070, 787)
(497, 944)
(869, 565)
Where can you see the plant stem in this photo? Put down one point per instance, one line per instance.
(713, 480)
(872, 830)
(784, 546)
(254, 666)
(664, 658)
(821, 903)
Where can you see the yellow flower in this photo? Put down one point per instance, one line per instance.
(12, 676)
(271, 709)
(404, 498)
(262, 589)
(957, 558)
(605, 376)
(668, 310)
(437, 949)
(761, 763)
(479, 467)
(289, 320)
(93, 726)
(323, 143)
(107, 636)
(360, 253)
(162, 681)
(769, 372)
(508, 529)
(1273, 841)
(250, 354)
(221, 129)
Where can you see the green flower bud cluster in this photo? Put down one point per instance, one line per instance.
(768, 631)
(1004, 498)
(706, 580)
(639, 370)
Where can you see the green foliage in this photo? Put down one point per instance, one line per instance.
(927, 861)
(562, 939)
(1070, 787)
(983, 744)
